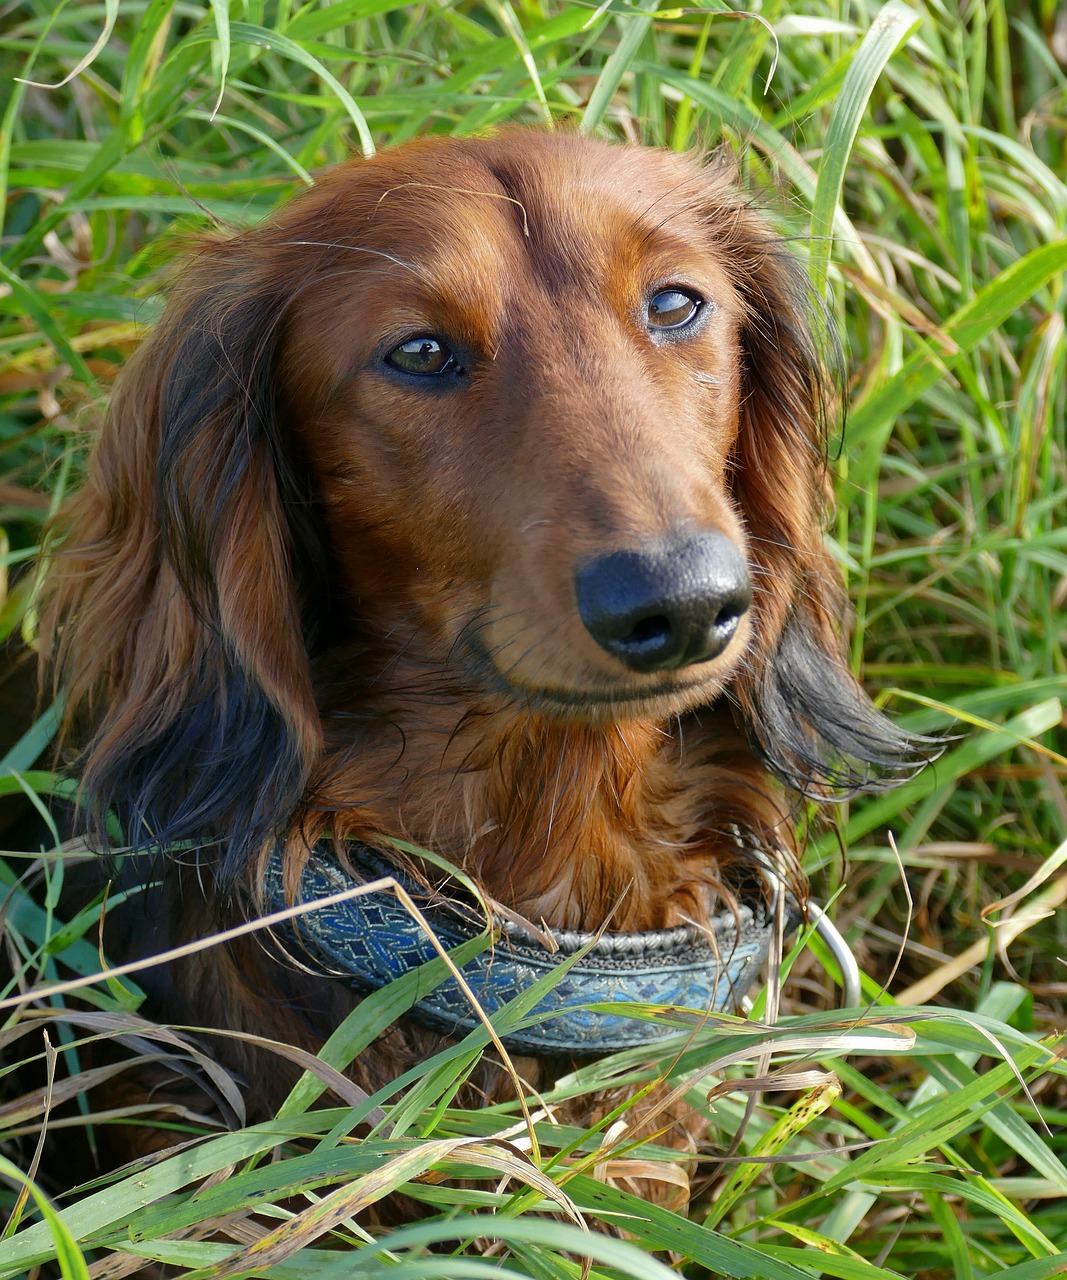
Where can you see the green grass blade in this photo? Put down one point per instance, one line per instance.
(946, 771)
(71, 1262)
(894, 24)
(248, 33)
(221, 13)
(873, 419)
(36, 308)
(111, 13)
(376, 1012)
(635, 26)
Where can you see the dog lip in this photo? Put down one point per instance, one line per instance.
(591, 697)
(619, 696)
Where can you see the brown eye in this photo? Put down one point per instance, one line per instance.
(423, 356)
(673, 309)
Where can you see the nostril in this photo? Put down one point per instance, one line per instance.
(731, 612)
(650, 630)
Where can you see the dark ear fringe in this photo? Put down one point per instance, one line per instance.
(217, 423)
(210, 790)
(820, 733)
(232, 766)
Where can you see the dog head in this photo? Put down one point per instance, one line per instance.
(548, 411)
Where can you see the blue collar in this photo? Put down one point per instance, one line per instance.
(369, 941)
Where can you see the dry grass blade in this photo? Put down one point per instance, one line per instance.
(24, 1109)
(47, 1101)
(822, 1093)
(308, 1061)
(1040, 908)
(332, 1210)
(136, 1032)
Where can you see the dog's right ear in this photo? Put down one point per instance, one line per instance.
(171, 607)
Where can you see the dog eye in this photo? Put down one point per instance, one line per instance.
(673, 309)
(423, 356)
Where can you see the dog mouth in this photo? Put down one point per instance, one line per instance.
(596, 700)
(612, 702)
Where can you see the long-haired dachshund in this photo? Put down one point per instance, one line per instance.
(474, 501)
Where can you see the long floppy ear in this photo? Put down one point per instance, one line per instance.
(172, 609)
(807, 715)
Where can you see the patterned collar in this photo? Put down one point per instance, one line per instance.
(548, 1002)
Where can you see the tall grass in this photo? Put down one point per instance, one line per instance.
(917, 156)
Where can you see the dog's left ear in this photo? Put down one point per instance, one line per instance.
(809, 718)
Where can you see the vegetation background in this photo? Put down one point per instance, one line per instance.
(916, 153)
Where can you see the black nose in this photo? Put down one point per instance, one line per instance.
(669, 604)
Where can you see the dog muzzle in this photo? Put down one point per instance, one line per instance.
(370, 939)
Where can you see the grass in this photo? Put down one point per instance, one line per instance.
(918, 156)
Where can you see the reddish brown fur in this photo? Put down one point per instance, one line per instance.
(390, 569)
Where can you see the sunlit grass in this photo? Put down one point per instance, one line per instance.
(917, 156)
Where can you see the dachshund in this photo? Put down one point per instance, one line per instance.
(474, 501)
